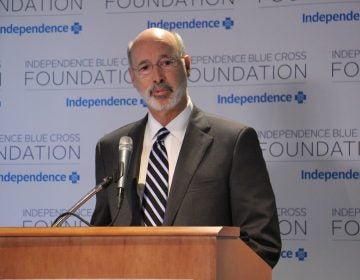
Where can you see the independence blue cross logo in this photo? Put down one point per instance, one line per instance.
(74, 177)
(228, 23)
(301, 254)
(76, 28)
(143, 102)
(300, 97)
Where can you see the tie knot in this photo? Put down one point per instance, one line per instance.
(162, 133)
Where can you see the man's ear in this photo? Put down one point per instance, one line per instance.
(132, 74)
(187, 59)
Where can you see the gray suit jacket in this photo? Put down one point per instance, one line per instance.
(220, 180)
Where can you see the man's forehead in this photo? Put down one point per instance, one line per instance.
(161, 43)
(152, 49)
(155, 36)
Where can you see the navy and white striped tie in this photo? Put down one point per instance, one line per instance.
(157, 182)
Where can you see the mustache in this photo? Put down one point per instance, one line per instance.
(162, 85)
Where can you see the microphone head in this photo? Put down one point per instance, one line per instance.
(125, 143)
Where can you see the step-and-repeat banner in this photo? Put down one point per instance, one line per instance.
(289, 68)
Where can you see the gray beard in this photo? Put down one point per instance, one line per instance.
(174, 99)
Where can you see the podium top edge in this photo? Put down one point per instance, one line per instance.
(119, 231)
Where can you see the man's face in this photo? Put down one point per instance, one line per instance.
(159, 73)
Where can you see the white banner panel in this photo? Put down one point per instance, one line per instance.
(289, 68)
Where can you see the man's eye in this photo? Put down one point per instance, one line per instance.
(143, 68)
(166, 62)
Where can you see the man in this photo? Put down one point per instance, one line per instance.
(214, 171)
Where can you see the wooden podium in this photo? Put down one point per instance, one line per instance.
(199, 253)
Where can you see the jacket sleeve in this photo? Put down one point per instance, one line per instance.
(252, 198)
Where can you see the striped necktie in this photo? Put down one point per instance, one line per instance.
(157, 182)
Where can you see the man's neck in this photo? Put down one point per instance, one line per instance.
(165, 117)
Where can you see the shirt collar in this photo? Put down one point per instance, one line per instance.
(176, 127)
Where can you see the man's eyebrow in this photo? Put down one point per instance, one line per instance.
(145, 61)
(160, 57)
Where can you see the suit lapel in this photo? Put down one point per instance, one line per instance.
(137, 134)
(194, 147)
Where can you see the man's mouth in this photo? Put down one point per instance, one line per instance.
(160, 91)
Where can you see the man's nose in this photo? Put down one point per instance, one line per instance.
(157, 73)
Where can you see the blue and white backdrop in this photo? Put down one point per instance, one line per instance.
(289, 68)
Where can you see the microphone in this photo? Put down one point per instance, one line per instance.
(125, 151)
(71, 212)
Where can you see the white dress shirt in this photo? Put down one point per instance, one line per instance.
(173, 141)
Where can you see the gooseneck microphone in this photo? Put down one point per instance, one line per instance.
(71, 212)
(125, 152)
